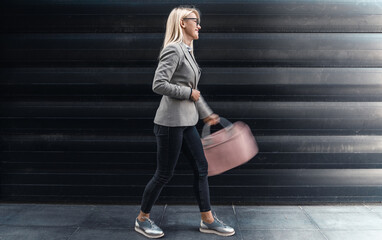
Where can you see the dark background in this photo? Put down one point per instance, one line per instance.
(77, 107)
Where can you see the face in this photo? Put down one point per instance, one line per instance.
(190, 26)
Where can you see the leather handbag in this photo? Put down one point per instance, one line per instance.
(229, 147)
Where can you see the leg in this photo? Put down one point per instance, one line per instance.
(193, 150)
(169, 140)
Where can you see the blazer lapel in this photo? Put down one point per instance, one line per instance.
(192, 61)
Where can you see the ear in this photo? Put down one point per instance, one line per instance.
(182, 24)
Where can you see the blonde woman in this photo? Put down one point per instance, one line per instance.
(181, 106)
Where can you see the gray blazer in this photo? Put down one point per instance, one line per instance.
(176, 74)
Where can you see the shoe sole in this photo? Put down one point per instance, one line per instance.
(147, 235)
(216, 232)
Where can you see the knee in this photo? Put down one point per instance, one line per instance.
(163, 177)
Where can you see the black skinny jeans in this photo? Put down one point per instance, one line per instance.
(170, 140)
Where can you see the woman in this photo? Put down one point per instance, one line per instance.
(181, 106)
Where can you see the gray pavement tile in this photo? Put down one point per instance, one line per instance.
(130, 234)
(272, 218)
(103, 234)
(51, 215)
(118, 216)
(269, 209)
(374, 207)
(336, 209)
(195, 234)
(353, 235)
(35, 233)
(10, 210)
(183, 208)
(282, 234)
(188, 216)
(379, 214)
(347, 221)
(184, 217)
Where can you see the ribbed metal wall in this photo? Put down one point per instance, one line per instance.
(77, 107)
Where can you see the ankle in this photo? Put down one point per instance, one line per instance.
(208, 220)
(142, 217)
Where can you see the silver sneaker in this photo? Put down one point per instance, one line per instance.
(216, 227)
(148, 228)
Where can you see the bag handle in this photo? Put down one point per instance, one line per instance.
(223, 121)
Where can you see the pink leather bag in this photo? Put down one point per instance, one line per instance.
(229, 147)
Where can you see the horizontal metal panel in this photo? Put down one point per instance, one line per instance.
(275, 92)
(217, 76)
(17, 161)
(235, 84)
(236, 192)
(144, 127)
(228, 23)
(237, 110)
(220, 98)
(165, 199)
(262, 49)
(217, 7)
(306, 144)
(221, 16)
(207, 43)
(221, 6)
(254, 178)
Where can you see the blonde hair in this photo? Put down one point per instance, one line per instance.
(173, 29)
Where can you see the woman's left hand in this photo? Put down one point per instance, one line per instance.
(212, 119)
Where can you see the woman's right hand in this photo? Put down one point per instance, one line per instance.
(195, 95)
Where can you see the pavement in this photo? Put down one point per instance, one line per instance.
(29, 221)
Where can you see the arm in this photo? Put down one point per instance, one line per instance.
(168, 63)
(206, 113)
(203, 109)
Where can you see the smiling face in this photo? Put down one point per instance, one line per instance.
(190, 27)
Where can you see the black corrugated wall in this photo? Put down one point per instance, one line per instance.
(77, 107)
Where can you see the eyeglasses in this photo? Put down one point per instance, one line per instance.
(197, 20)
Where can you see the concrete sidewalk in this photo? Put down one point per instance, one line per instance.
(111, 222)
